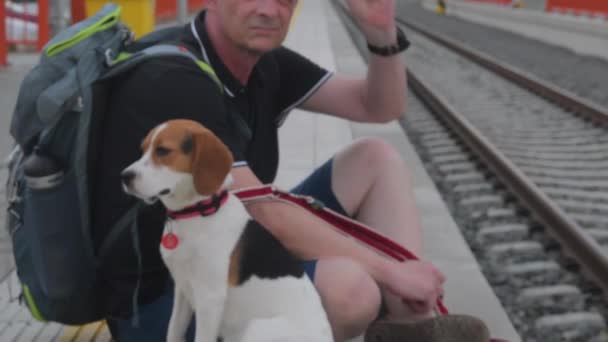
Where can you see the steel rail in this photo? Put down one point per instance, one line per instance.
(562, 97)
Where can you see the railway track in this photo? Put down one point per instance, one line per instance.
(522, 165)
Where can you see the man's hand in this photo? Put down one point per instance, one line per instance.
(418, 283)
(376, 19)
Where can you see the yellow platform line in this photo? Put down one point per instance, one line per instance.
(85, 333)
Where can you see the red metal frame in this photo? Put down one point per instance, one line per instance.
(3, 44)
(164, 9)
(580, 7)
(41, 19)
(167, 9)
(44, 29)
(78, 10)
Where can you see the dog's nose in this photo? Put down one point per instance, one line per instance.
(127, 177)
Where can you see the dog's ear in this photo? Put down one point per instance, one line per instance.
(211, 162)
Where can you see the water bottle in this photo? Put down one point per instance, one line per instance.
(42, 171)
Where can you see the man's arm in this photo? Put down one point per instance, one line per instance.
(381, 97)
(309, 237)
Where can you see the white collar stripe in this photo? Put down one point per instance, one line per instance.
(204, 52)
(281, 118)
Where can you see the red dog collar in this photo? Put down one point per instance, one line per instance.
(206, 207)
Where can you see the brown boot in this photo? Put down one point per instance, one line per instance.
(449, 328)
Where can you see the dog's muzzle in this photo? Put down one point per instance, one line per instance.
(127, 177)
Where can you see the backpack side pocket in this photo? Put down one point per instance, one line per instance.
(52, 223)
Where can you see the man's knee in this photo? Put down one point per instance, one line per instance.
(350, 296)
(376, 153)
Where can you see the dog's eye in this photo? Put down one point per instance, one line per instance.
(161, 151)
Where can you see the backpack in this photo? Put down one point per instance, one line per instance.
(48, 215)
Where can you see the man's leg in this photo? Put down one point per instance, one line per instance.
(349, 295)
(372, 182)
(369, 182)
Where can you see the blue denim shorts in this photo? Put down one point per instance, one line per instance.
(319, 186)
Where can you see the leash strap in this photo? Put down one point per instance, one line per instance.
(353, 228)
(347, 225)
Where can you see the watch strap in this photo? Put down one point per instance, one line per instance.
(390, 50)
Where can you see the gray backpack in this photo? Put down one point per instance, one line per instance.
(48, 187)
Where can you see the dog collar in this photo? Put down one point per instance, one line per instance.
(206, 207)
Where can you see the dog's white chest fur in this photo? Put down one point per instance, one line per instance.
(278, 309)
(205, 243)
(285, 310)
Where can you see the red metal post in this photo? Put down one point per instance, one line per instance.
(44, 29)
(195, 5)
(3, 43)
(579, 6)
(79, 11)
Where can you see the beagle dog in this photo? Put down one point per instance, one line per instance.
(235, 277)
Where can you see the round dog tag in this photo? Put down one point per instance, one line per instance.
(170, 241)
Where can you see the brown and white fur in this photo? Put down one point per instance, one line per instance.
(239, 281)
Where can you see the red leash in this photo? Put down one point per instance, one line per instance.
(353, 228)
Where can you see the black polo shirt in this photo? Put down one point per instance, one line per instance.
(245, 117)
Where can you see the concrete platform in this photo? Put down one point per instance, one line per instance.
(307, 140)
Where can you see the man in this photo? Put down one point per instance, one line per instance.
(241, 40)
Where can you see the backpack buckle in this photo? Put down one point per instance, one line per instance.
(12, 184)
(13, 194)
(14, 221)
(128, 36)
(109, 60)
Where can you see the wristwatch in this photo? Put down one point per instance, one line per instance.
(389, 50)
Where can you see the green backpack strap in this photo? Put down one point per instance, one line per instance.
(126, 60)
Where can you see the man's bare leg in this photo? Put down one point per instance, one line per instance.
(372, 183)
(349, 295)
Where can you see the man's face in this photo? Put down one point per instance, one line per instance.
(257, 26)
